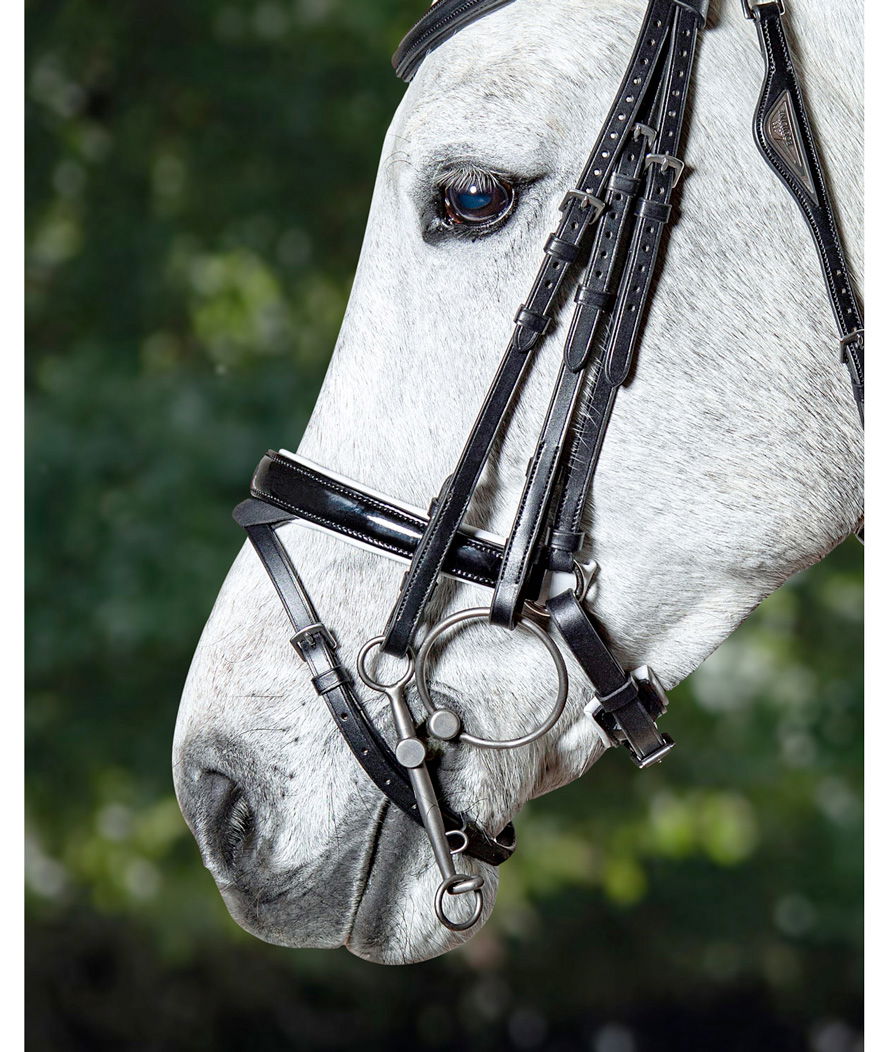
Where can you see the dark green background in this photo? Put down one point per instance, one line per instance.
(198, 181)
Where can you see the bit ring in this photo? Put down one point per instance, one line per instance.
(483, 614)
(447, 887)
(463, 843)
(375, 684)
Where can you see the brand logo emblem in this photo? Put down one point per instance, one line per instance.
(782, 132)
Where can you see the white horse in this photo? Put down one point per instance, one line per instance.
(733, 459)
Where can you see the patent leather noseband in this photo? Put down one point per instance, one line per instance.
(614, 216)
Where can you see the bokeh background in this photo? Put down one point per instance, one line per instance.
(198, 181)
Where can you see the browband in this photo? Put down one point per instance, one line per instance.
(442, 20)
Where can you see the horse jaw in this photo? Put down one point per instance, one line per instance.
(732, 461)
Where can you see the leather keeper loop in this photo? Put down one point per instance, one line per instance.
(623, 184)
(331, 679)
(533, 320)
(698, 7)
(654, 210)
(594, 298)
(558, 248)
(565, 540)
(622, 696)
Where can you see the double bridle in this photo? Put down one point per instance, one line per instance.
(616, 213)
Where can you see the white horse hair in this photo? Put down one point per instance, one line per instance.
(733, 459)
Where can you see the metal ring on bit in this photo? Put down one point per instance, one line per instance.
(464, 843)
(584, 575)
(483, 614)
(447, 887)
(375, 684)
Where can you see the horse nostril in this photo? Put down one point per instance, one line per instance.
(238, 827)
(222, 820)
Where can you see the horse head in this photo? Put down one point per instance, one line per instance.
(732, 460)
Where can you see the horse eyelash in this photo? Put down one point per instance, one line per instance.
(463, 178)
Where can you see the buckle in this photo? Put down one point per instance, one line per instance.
(656, 702)
(586, 199)
(750, 6)
(637, 729)
(653, 694)
(316, 629)
(584, 574)
(644, 131)
(666, 161)
(856, 336)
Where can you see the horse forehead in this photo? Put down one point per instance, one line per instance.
(529, 61)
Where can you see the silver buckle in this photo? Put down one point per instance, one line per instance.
(316, 629)
(585, 574)
(845, 342)
(655, 701)
(587, 200)
(666, 161)
(655, 757)
(648, 682)
(644, 131)
(749, 6)
(584, 577)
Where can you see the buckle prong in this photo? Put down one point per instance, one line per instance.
(586, 199)
(316, 629)
(644, 131)
(666, 161)
(856, 336)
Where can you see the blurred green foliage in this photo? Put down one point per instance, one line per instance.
(198, 181)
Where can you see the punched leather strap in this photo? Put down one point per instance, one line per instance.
(520, 571)
(784, 137)
(652, 212)
(597, 292)
(315, 645)
(622, 712)
(579, 208)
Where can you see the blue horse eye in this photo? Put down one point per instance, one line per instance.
(476, 204)
(469, 202)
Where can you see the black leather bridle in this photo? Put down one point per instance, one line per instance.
(616, 213)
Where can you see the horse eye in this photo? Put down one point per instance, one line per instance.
(476, 203)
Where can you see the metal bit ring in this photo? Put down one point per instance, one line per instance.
(449, 887)
(375, 684)
(483, 614)
(463, 842)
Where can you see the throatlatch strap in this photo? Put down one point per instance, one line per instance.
(784, 137)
